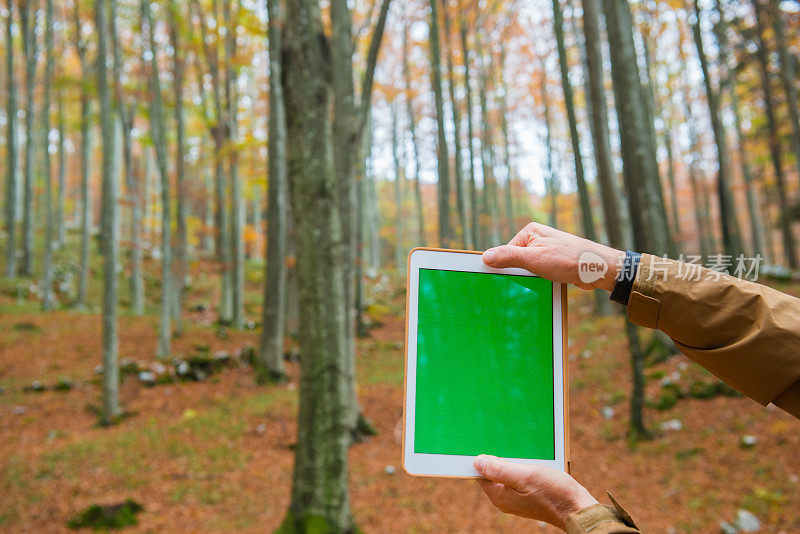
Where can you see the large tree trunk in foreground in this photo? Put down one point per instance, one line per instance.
(270, 354)
(111, 409)
(11, 154)
(788, 77)
(646, 206)
(320, 498)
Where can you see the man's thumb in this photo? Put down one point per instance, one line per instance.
(504, 256)
(500, 471)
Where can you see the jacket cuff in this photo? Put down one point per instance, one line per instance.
(643, 309)
(601, 519)
(789, 400)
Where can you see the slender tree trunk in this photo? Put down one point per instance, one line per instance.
(729, 224)
(11, 155)
(178, 76)
(208, 236)
(788, 77)
(320, 497)
(789, 244)
(412, 128)
(62, 173)
(271, 367)
(506, 152)
(729, 83)
(473, 189)
(236, 231)
(551, 180)
(111, 409)
(399, 249)
(47, 278)
(446, 237)
(85, 154)
(459, 165)
(28, 22)
(159, 141)
(491, 235)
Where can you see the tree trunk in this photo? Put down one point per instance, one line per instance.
(446, 238)
(11, 155)
(459, 165)
(412, 128)
(640, 170)
(596, 96)
(399, 249)
(788, 77)
(28, 22)
(270, 354)
(47, 278)
(111, 409)
(729, 83)
(159, 142)
(789, 244)
(473, 189)
(85, 154)
(62, 173)
(491, 235)
(551, 180)
(236, 231)
(178, 75)
(320, 497)
(506, 152)
(729, 224)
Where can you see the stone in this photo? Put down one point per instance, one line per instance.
(672, 424)
(747, 522)
(148, 378)
(390, 470)
(747, 441)
(608, 412)
(19, 410)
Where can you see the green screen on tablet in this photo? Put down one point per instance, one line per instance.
(484, 365)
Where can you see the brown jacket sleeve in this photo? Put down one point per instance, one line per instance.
(601, 519)
(747, 334)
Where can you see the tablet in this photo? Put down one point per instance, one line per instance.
(485, 370)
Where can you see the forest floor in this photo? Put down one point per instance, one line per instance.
(216, 455)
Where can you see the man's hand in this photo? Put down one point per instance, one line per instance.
(531, 491)
(555, 255)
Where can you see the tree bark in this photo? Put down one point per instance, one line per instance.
(159, 142)
(85, 134)
(178, 76)
(62, 173)
(459, 165)
(320, 496)
(595, 87)
(788, 77)
(28, 22)
(551, 180)
(47, 278)
(491, 235)
(419, 215)
(473, 189)
(111, 408)
(789, 243)
(446, 237)
(271, 366)
(399, 249)
(506, 151)
(11, 155)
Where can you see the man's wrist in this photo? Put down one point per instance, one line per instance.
(614, 259)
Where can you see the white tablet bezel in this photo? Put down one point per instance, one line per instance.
(445, 465)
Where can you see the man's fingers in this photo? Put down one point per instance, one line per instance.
(496, 494)
(507, 256)
(501, 471)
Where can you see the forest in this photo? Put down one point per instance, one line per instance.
(207, 208)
